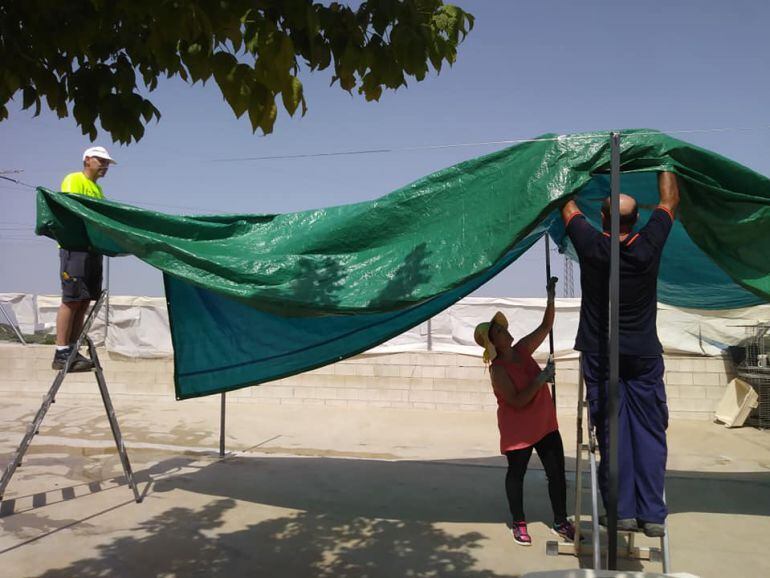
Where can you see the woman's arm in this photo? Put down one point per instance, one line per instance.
(532, 341)
(505, 389)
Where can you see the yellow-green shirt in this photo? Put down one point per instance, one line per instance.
(80, 184)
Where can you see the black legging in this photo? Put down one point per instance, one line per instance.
(551, 452)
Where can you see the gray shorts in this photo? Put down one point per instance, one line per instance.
(81, 275)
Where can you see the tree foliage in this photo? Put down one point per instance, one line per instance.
(99, 59)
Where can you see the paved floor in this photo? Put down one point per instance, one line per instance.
(312, 491)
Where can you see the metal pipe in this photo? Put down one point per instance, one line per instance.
(579, 460)
(665, 544)
(547, 279)
(10, 321)
(222, 427)
(614, 351)
(107, 303)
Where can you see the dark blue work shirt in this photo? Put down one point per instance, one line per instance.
(639, 263)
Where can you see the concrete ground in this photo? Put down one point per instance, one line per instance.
(318, 491)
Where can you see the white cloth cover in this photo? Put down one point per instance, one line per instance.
(138, 326)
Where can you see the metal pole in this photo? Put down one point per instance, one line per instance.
(614, 350)
(222, 427)
(595, 531)
(107, 303)
(430, 335)
(579, 446)
(16, 330)
(547, 279)
(665, 545)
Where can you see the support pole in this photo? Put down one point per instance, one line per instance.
(579, 446)
(614, 351)
(664, 546)
(107, 302)
(547, 279)
(222, 427)
(16, 330)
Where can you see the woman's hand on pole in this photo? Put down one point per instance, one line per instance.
(548, 373)
(550, 289)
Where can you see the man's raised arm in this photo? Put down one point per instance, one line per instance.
(569, 210)
(668, 187)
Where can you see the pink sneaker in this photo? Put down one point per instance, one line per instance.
(520, 534)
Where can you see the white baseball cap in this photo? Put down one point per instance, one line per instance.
(99, 152)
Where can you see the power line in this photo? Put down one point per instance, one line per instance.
(2, 176)
(477, 144)
(17, 182)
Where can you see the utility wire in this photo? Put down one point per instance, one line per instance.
(479, 143)
(17, 182)
(415, 149)
(2, 176)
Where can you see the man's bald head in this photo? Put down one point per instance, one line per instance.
(629, 212)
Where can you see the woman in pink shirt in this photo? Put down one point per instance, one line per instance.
(526, 416)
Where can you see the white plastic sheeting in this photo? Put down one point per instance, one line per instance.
(138, 326)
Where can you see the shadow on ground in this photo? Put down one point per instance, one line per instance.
(179, 542)
(362, 518)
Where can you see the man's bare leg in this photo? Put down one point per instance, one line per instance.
(65, 321)
(69, 324)
(79, 319)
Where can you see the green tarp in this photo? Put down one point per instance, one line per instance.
(257, 297)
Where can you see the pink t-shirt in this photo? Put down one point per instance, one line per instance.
(524, 427)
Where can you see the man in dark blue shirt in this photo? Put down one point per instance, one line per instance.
(642, 409)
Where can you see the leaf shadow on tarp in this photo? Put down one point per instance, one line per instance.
(318, 282)
(413, 272)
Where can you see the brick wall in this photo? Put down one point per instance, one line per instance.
(422, 381)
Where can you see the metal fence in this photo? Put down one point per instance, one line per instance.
(753, 367)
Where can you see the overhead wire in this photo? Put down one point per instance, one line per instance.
(563, 137)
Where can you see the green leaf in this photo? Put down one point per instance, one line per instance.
(292, 95)
(268, 118)
(30, 97)
(103, 48)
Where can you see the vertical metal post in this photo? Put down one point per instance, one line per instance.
(614, 351)
(222, 427)
(430, 335)
(10, 321)
(547, 279)
(665, 545)
(579, 447)
(107, 303)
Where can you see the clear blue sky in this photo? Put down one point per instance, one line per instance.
(527, 68)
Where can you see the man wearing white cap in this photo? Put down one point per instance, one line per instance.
(80, 271)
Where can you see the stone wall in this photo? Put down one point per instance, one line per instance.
(421, 381)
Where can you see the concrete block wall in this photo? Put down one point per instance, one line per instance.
(423, 380)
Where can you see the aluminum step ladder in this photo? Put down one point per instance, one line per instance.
(50, 398)
(587, 447)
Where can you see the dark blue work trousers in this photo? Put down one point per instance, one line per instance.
(642, 424)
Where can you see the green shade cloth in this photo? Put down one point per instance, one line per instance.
(257, 297)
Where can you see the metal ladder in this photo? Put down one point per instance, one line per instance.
(50, 398)
(629, 549)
